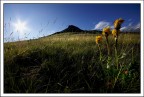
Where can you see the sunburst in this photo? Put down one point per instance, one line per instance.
(20, 26)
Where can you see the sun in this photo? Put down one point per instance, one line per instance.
(20, 26)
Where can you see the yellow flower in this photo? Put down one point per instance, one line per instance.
(106, 31)
(115, 32)
(98, 39)
(117, 23)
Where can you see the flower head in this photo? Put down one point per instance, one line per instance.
(98, 39)
(106, 31)
(125, 72)
(115, 32)
(117, 23)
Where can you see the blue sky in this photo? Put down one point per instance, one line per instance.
(37, 20)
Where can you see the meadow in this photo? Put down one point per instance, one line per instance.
(70, 63)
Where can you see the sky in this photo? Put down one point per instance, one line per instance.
(29, 21)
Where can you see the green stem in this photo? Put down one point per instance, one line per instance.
(132, 56)
(100, 52)
(116, 40)
(117, 77)
(108, 48)
(116, 52)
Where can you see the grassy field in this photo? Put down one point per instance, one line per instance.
(69, 63)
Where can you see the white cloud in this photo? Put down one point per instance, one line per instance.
(101, 25)
(130, 24)
(128, 28)
(131, 28)
(138, 26)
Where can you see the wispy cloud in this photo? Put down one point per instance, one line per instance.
(131, 28)
(129, 20)
(100, 25)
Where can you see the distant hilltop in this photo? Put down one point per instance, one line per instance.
(76, 30)
(72, 28)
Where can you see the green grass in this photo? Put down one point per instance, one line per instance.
(69, 63)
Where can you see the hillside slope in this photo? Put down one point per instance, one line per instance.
(69, 63)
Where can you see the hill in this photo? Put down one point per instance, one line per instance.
(69, 63)
(76, 30)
